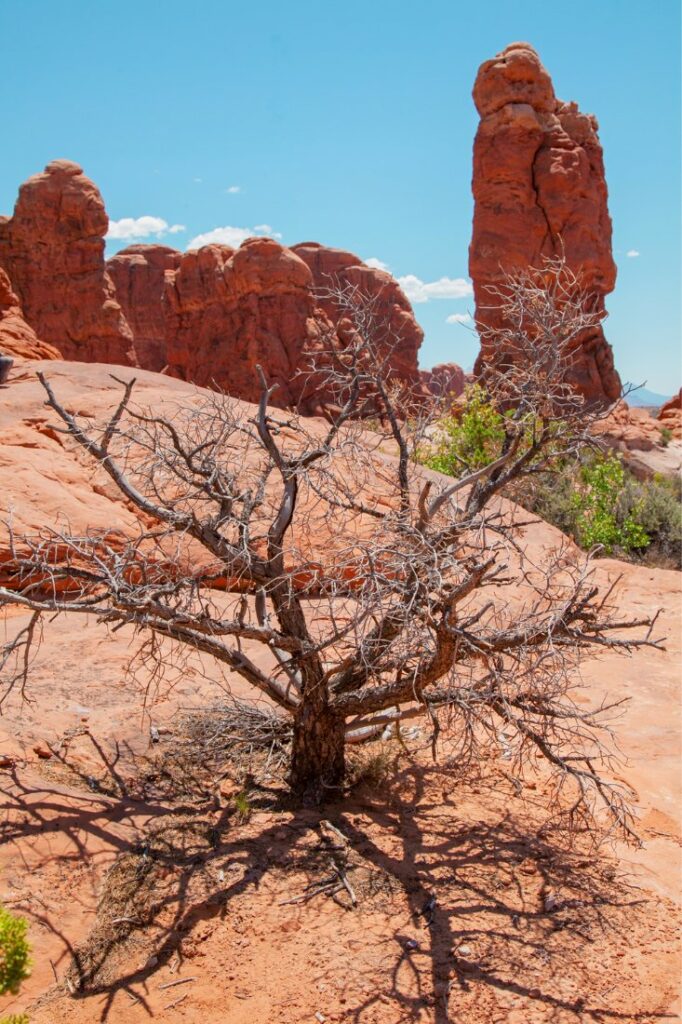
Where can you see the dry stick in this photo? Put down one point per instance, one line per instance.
(178, 981)
(328, 889)
(346, 884)
(169, 1006)
(54, 971)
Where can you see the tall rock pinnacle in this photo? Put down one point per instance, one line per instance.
(540, 191)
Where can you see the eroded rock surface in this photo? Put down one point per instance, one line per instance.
(539, 191)
(17, 338)
(445, 379)
(53, 251)
(139, 273)
(397, 331)
(670, 415)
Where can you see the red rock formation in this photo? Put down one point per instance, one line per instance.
(53, 250)
(229, 310)
(210, 315)
(670, 415)
(138, 273)
(16, 337)
(398, 329)
(539, 190)
(444, 379)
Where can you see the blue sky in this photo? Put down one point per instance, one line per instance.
(350, 124)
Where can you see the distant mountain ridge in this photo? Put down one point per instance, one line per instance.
(644, 397)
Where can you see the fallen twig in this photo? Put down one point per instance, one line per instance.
(178, 981)
(169, 1006)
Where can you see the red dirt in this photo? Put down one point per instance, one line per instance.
(524, 930)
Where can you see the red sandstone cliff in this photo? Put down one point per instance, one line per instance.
(139, 274)
(229, 309)
(539, 190)
(16, 337)
(208, 316)
(446, 379)
(398, 331)
(53, 251)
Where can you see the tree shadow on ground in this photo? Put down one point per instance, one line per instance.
(503, 912)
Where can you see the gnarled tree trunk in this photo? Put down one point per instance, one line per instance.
(318, 753)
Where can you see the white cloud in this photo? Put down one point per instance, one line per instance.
(233, 189)
(444, 288)
(231, 236)
(141, 227)
(632, 254)
(377, 264)
(458, 318)
(198, 180)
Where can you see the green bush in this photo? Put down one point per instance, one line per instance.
(601, 515)
(15, 1018)
(468, 441)
(14, 952)
(594, 499)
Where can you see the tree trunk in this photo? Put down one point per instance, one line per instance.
(318, 754)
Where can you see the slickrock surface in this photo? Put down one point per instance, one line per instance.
(524, 930)
(539, 191)
(53, 251)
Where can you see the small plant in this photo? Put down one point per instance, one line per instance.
(15, 1018)
(372, 768)
(242, 805)
(471, 438)
(596, 504)
(14, 952)
(666, 436)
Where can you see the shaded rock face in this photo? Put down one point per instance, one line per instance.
(229, 310)
(398, 331)
(16, 337)
(444, 379)
(670, 415)
(539, 191)
(53, 251)
(139, 276)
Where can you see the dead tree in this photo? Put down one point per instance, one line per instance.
(323, 565)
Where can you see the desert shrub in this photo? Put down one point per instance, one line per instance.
(14, 952)
(659, 511)
(666, 436)
(602, 517)
(469, 439)
(15, 1018)
(592, 498)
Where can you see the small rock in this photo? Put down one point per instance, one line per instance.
(43, 751)
(6, 761)
(551, 902)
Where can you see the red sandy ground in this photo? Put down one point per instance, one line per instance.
(524, 929)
